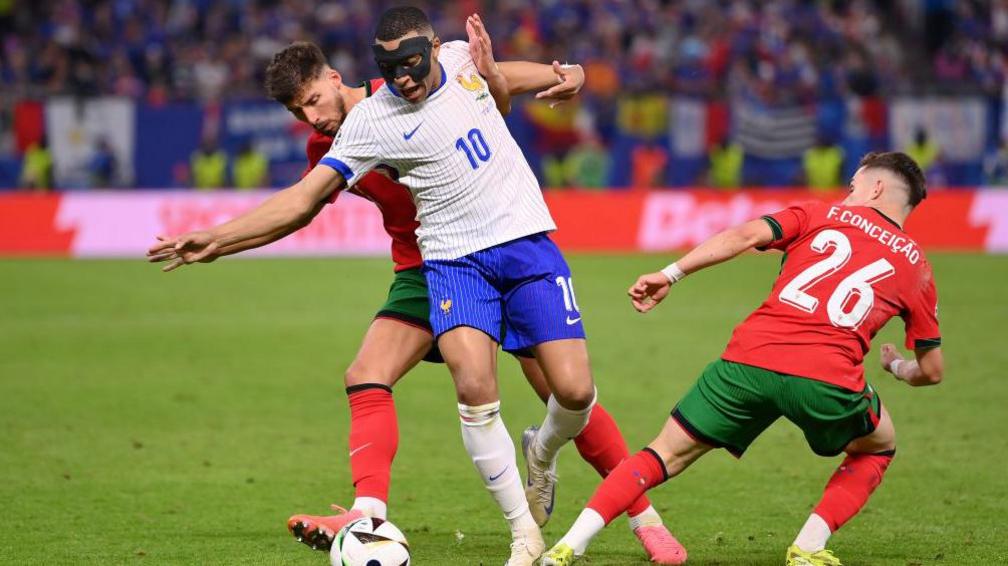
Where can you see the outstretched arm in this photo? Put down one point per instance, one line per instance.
(556, 82)
(651, 288)
(252, 243)
(283, 213)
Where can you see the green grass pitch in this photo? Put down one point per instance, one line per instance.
(150, 418)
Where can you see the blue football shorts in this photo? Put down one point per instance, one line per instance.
(520, 293)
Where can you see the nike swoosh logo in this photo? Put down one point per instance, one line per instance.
(497, 477)
(358, 449)
(571, 321)
(410, 135)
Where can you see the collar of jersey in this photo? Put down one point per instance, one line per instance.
(890, 220)
(444, 78)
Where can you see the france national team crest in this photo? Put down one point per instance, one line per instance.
(473, 83)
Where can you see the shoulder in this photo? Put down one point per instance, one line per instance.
(454, 55)
(926, 273)
(814, 207)
(799, 214)
(360, 119)
(382, 100)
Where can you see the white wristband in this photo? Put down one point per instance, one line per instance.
(673, 273)
(894, 367)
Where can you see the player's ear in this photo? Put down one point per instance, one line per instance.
(877, 189)
(435, 46)
(335, 77)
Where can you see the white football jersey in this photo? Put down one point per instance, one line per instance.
(472, 186)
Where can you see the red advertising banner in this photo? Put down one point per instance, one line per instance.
(124, 224)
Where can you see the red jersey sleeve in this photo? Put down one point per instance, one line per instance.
(786, 225)
(316, 148)
(921, 314)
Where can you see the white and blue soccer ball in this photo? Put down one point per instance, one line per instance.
(370, 542)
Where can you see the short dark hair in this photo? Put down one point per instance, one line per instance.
(291, 69)
(904, 167)
(397, 22)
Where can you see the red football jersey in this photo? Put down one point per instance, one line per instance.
(846, 272)
(393, 199)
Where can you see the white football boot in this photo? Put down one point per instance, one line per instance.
(526, 548)
(540, 482)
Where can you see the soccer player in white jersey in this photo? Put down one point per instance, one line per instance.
(494, 276)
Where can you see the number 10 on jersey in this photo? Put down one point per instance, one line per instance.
(474, 147)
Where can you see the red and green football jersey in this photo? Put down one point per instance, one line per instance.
(846, 272)
(393, 199)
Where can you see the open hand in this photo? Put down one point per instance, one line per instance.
(479, 46)
(570, 79)
(649, 290)
(199, 246)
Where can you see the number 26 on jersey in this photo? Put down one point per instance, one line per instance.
(856, 288)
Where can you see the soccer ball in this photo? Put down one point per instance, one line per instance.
(370, 542)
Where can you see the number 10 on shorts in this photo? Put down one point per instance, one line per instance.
(570, 301)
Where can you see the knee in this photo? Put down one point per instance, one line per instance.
(675, 464)
(475, 388)
(575, 396)
(475, 392)
(361, 372)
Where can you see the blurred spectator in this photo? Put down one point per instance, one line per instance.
(648, 162)
(103, 165)
(726, 159)
(554, 171)
(996, 165)
(37, 167)
(587, 165)
(209, 49)
(822, 164)
(209, 166)
(251, 168)
(637, 53)
(923, 150)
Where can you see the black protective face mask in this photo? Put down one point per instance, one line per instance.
(392, 64)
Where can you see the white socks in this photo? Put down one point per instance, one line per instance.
(489, 445)
(814, 535)
(559, 428)
(371, 507)
(588, 524)
(646, 518)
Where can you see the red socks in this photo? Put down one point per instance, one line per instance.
(627, 483)
(601, 444)
(851, 485)
(374, 438)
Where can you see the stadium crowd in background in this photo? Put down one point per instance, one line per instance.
(742, 58)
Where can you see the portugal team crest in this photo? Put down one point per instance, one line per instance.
(446, 305)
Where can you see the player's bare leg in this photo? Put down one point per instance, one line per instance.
(846, 493)
(665, 457)
(471, 356)
(389, 350)
(602, 445)
(567, 372)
